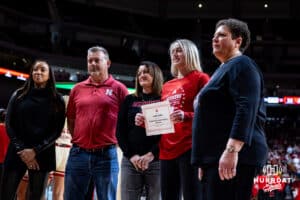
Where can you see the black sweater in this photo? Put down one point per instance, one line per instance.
(231, 105)
(34, 122)
(132, 139)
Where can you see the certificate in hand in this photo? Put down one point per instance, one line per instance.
(157, 118)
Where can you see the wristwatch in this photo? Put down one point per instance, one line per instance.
(231, 149)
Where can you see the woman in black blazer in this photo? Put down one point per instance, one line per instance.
(35, 118)
(229, 144)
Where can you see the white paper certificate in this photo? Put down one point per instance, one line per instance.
(157, 118)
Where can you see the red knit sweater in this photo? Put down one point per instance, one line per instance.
(181, 93)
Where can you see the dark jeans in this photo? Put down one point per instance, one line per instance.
(133, 182)
(12, 177)
(179, 178)
(86, 168)
(238, 188)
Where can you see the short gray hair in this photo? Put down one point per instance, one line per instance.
(97, 49)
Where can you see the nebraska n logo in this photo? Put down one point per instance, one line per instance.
(109, 92)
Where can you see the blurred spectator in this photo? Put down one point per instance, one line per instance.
(4, 140)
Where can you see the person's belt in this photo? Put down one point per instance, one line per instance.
(63, 145)
(94, 150)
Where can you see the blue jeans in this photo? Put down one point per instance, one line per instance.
(83, 167)
(134, 182)
(179, 179)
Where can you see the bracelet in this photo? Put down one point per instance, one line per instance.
(231, 149)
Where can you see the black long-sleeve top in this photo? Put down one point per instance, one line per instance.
(132, 139)
(231, 105)
(34, 121)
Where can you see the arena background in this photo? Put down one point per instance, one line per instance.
(133, 30)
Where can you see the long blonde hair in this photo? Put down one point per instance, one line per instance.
(191, 53)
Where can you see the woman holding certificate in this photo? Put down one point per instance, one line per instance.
(177, 173)
(140, 165)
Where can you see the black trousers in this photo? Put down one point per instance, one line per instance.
(1, 169)
(179, 179)
(238, 188)
(12, 177)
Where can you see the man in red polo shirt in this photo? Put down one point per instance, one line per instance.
(92, 116)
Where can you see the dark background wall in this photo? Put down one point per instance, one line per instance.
(7, 87)
(134, 30)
